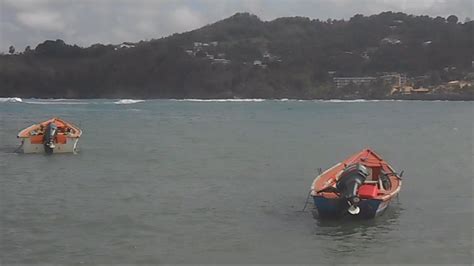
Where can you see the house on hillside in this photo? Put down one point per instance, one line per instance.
(408, 90)
(458, 84)
(341, 82)
(220, 61)
(420, 90)
(427, 43)
(390, 41)
(259, 63)
(126, 45)
(394, 78)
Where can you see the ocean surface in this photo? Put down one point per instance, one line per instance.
(167, 181)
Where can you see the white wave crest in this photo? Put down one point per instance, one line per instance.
(358, 101)
(219, 100)
(346, 101)
(11, 100)
(55, 101)
(128, 101)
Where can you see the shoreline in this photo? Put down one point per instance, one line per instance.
(432, 98)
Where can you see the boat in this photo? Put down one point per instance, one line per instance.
(51, 136)
(363, 185)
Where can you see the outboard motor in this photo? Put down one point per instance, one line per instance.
(349, 182)
(49, 135)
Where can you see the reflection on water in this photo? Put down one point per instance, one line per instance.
(10, 149)
(351, 235)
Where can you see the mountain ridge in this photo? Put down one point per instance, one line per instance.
(245, 57)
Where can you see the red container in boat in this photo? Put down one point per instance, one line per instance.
(368, 191)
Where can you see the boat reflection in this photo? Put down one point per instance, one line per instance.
(350, 235)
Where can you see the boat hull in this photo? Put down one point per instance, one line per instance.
(337, 207)
(69, 147)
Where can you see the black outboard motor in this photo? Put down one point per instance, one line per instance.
(49, 135)
(349, 182)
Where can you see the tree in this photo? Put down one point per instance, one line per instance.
(57, 49)
(452, 19)
(201, 54)
(300, 53)
(440, 20)
(27, 49)
(11, 49)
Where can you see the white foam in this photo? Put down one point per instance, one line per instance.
(346, 101)
(62, 99)
(219, 100)
(11, 100)
(55, 101)
(128, 101)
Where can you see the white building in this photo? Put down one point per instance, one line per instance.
(220, 61)
(392, 41)
(344, 81)
(127, 45)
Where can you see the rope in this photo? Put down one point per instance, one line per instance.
(306, 203)
(19, 147)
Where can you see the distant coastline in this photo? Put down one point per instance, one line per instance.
(431, 97)
(133, 100)
(365, 57)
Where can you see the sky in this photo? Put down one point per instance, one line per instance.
(86, 22)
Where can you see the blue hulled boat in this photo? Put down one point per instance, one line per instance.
(362, 185)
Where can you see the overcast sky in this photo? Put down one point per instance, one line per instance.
(85, 22)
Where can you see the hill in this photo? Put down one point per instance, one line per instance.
(245, 57)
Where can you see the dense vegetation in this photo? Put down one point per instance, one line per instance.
(296, 54)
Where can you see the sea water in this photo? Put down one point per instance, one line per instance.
(192, 181)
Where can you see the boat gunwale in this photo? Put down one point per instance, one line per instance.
(320, 175)
(350, 160)
(24, 133)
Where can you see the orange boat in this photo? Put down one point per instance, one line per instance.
(52, 136)
(362, 185)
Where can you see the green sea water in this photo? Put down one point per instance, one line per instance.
(188, 182)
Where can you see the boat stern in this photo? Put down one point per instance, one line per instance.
(31, 145)
(331, 207)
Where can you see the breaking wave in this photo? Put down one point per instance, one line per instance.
(55, 101)
(282, 100)
(11, 100)
(128, 101)
(219, 100)
(347, 101)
